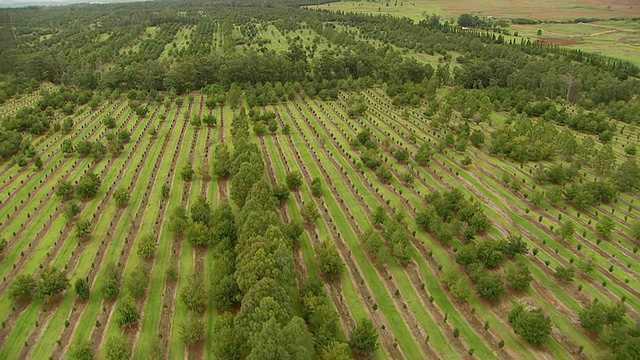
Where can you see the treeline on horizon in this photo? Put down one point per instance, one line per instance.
(514, 75)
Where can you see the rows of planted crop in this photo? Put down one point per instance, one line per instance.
(28, 188)
(396, 195)
(421, 265)
(502, 227)
(133, 230)
(118, 238)
(155, 300)
(67, 256)
(348, 302)
(184, 260)
(91, 259)
(555, 221)
(52, 225)
(374, 201)
(219, 190)
(390, 306)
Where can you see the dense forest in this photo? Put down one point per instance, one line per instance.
(552, 118)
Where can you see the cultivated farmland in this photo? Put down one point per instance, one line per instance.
(228, 183)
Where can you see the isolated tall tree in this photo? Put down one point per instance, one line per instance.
(52, 281)
(81, 349)
(82, 288)
(566, 230)
(147, 246)
(111, 285)
(532, 325)
(329, 260)
(364, 338)
(201, 211)
(194, 294)
(192, 330)
(605, 226)
(22, 288)
(310, 212)
(127, 312)
(117, 347)
(222, 160)
(121, 196)
(294, 180)
(138, 281)
(88, 185)
(518, 276)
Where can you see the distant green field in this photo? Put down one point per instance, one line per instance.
(544, 9)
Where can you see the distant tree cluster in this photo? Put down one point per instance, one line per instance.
(449, 214)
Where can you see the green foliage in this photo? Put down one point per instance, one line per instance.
(82, 288)
(198, 234)
(225, 344)
(22, 288)
(67, 147)
(81, 349)
(423, 155)
(605, 226)
(294, 180)
(88, 185)
(597, 315)
(187, 172)
(192, 331)
(379, 215)
(65, 190)
(490, 287)
(329, 260)
(138, 281)
(532, 325)
(121, 196)
(147, 246)
(84, 147)
(621, 341)
(627, 176)
(374, 245)
(635, 231)
(117, 347)
(309, 212)
(566, 230)
(518, 276)
(458, 285)
(565, 274)
(111, 285)
(316, 187)
(83, 229)
(335, 351)
(178, 220)
(384, 173)
(364, 338)
(194, 294)
(52, 282)
(201, 211)
(109, 122)
(126, 312)
(222, 160)
(445, 211)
